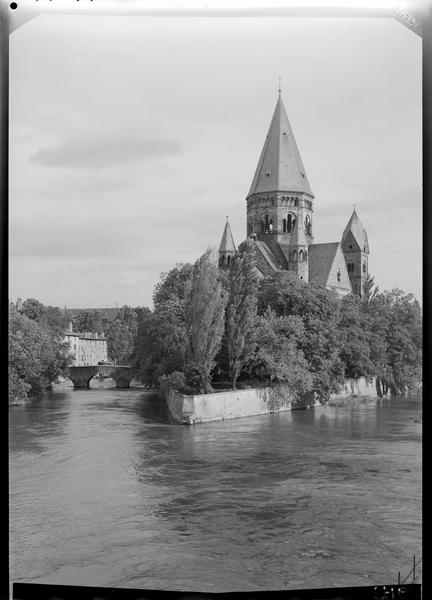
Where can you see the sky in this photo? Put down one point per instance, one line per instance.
(132, 138)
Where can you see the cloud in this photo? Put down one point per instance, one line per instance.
(78, 153)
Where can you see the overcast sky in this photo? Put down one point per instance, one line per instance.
(131, 138)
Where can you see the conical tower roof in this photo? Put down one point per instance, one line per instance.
(280, 167)
(227, 242)
(355, 226)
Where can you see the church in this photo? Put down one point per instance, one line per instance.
(280, 221)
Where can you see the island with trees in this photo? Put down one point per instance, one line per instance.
(212, 329)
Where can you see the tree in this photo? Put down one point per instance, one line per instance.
(395, 321)
(204, 318)
(88, 321)
(278, 357)
(161, 338)
(33, 309)
(318, 308)
(355, 339)
(37, 356)
(370, 290)
(241, 310)
(121, 335)
(173, 286)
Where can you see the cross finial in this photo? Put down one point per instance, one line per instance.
(226, 218)
(280, 89)
(354, 206)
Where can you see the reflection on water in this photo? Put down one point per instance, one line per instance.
(107, 490)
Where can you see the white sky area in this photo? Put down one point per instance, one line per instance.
(131, 138)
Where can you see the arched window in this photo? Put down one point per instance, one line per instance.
(301, 255)
(364, 267)
(228, 260)
(293, 224)
(284, 225)
(295, 255)
(289, 224)
(222, 261)
(271, 226)
(338, 275)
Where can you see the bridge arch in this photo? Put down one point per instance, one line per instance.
(81, 376)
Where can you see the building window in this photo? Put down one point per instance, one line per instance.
(222, 261)
(308, 225)
(290, 223)
(338, 275)
(295, 201)
(271, 226)
(295, 255)
(301, 255)
(262, 226)
(284, 225)
(266, 225)
(228, 260)
(364, 267)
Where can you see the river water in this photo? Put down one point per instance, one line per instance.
(106, 490)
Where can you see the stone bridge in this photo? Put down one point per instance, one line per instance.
(80, 376)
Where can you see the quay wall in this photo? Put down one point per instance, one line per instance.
(232, 404)
(356, 388)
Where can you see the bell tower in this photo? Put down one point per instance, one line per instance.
(355, 247)
(280, 200)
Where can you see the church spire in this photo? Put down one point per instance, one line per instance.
(356, 228)
(280, 167)
(227, 247)
(356, 253)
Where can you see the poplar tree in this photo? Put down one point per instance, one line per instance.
(121, 335)
(204, 318)
(241, 311)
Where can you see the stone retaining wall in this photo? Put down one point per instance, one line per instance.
(355, 388)
(231, 404)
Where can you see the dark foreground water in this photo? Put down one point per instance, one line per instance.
(106, 490)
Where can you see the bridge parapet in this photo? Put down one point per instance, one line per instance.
(81, 376)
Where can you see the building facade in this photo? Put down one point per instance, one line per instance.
(87, 348)
(279, 218)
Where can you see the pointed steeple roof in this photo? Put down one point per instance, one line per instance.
(227, 242)
(355, 227)
(280, 167)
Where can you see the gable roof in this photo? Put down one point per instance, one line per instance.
(326, 261)
(355, 227)
(280, 167)
(227, 242)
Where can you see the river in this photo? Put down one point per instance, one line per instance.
(106, 490)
